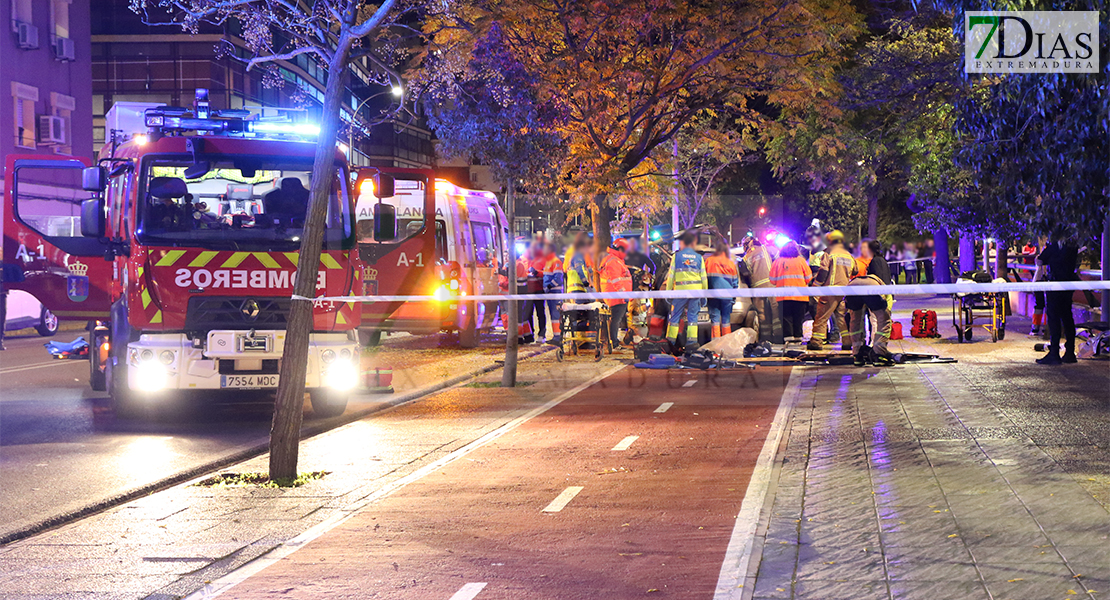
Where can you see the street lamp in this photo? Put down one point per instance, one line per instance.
(396, 91)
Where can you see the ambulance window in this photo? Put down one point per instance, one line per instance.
(483, 237)
(441, 240)
(47, 199)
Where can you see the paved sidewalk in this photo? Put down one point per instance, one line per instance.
(985, 479)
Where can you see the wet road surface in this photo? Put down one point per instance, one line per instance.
(62, 448)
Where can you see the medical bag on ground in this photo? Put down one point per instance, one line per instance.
(924, 324)
(896, 331)
(646, 347)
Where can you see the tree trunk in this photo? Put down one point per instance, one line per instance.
(873, 215)
(603, 216)
(289, 406)
(1001, 258)
(967, 252)
(512, 307)
(942, 273)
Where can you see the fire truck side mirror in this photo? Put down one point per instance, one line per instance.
(92, 218)
(385, 222)
(384, 186)
(94, 179)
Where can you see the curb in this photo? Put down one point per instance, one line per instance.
(307, 431)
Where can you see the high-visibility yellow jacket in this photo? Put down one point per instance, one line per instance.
(577, 273)
(687, 271)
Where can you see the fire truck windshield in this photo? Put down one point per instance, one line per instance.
(244, 202)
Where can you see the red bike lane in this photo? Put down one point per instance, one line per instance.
(568, 505)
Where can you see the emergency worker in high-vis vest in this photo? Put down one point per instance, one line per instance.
(838, 267)
(553, 283)
(723, 275)
(687, 273)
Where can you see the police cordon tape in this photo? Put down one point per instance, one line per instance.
(767, 292)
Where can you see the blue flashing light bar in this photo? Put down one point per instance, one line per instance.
(306, 129)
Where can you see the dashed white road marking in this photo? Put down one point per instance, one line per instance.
(690, 383)
(664, 407)
(230, 580)
(563, 499)
(469, 591)
(625, 443)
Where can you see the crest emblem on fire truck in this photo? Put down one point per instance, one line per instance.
(77, 282)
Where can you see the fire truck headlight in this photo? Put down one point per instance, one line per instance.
(150, 376)
(345, 354)
(442, 294)
(327, 356)
(146, 355)
(166, 357)
(341, 376)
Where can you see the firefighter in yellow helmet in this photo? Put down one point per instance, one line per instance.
(837, 268)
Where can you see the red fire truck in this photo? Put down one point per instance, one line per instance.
(441, 240)
(181, 245)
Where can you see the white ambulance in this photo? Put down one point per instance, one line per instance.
(471, 234)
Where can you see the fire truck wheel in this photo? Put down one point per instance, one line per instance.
(97, 380)
(327, 403)
(124, 404)
(368, 338)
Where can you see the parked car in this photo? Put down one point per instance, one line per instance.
(24, 311)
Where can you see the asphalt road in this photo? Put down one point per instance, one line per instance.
(630, 488)
(63, 449)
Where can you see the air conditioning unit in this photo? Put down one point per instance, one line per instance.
(28, 36)
(64, 49)
(52, 130)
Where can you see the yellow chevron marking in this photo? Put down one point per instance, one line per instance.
(267, 260)
(169, 258)
(235, 259)
(203, 258)
(339, 320)
(329, 261)
(139, 272)
(146, 298)
(157, 318)
(293, 257)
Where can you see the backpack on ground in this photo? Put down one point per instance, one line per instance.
(648, 346)
(924, 324)
(896, 331)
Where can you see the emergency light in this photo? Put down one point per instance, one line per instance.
(306, 129)
(165, 120)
